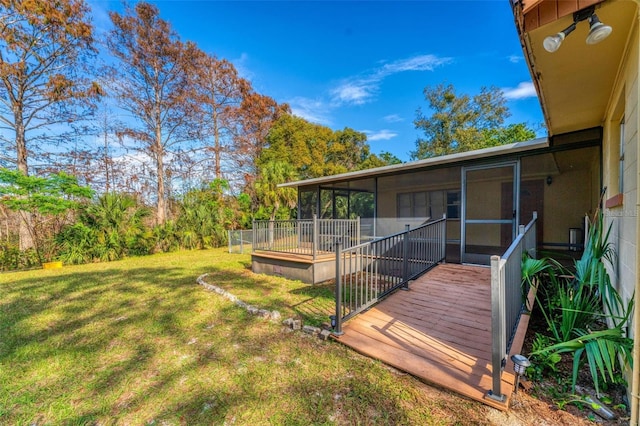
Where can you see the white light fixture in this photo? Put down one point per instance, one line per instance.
(552, 43)
(597, 30)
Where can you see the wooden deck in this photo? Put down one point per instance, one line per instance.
(438, 331)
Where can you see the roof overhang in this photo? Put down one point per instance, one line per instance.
(452, 159)
(575, 83)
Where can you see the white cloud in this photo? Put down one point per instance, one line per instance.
(356, 92)
(514, 59)
(417, 63)
(380, 135)
(241, 66)
(313, 110)
(359, 90)
(526, 89)
(392, 118)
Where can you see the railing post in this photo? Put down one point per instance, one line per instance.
(497, 328)
(358, 230)
(314, 237)
(405, 257)
(254, 239)
(444, 238)
(337, 330)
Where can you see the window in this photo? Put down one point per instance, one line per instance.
(429, 204)
(453, 204)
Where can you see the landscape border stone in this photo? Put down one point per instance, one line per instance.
(291, 324)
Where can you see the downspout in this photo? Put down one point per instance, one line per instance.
(635, 373)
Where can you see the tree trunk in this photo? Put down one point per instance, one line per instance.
(161, 204)
(24, 229)
(216, 149)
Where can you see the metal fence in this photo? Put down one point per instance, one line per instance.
(369, 271)
(507, 299)
(309, 237)
(240, 241)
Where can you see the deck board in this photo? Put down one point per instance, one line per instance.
(438, 331)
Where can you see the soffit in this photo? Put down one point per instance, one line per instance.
(576, 81)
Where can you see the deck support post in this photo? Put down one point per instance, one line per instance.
(498, 345)
(405, 258)
(337, 330)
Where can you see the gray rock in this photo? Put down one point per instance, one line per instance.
(263, 313)
(296, 325)
(324, 334)
(310, 329)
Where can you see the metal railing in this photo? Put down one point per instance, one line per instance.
(308, 237)
(240, 240)
(369, 271)
(507, 300)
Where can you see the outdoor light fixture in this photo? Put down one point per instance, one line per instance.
(597, 30)
(549, 180)
(520, 364)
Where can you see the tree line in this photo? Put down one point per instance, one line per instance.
(146, 142)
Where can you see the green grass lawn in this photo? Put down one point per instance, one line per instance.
(139, 342)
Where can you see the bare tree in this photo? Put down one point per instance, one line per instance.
(220, 92)
(151, 82)
(44, 48)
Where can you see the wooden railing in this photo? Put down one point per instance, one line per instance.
(507, 300)
(308, 237)
(369, 271)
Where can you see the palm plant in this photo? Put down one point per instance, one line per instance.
(578, 308)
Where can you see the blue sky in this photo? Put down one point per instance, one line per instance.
(360, 64)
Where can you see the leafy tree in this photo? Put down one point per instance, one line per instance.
(151, 81)
(384, 159)
(462, 123)
(45, 199)
(44, 46)
(512, 133)
(314, 150)
(299, 143)
(269, 194)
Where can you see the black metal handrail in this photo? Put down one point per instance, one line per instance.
(367, 272)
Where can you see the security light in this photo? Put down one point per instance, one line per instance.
(597, 30)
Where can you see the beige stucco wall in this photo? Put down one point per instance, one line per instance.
(566, 201)
(623, 218)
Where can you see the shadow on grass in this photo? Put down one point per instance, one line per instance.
(133, 345)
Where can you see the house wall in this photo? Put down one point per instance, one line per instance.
(621, 212)
(566, 201)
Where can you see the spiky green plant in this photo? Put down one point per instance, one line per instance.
(576, 309)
